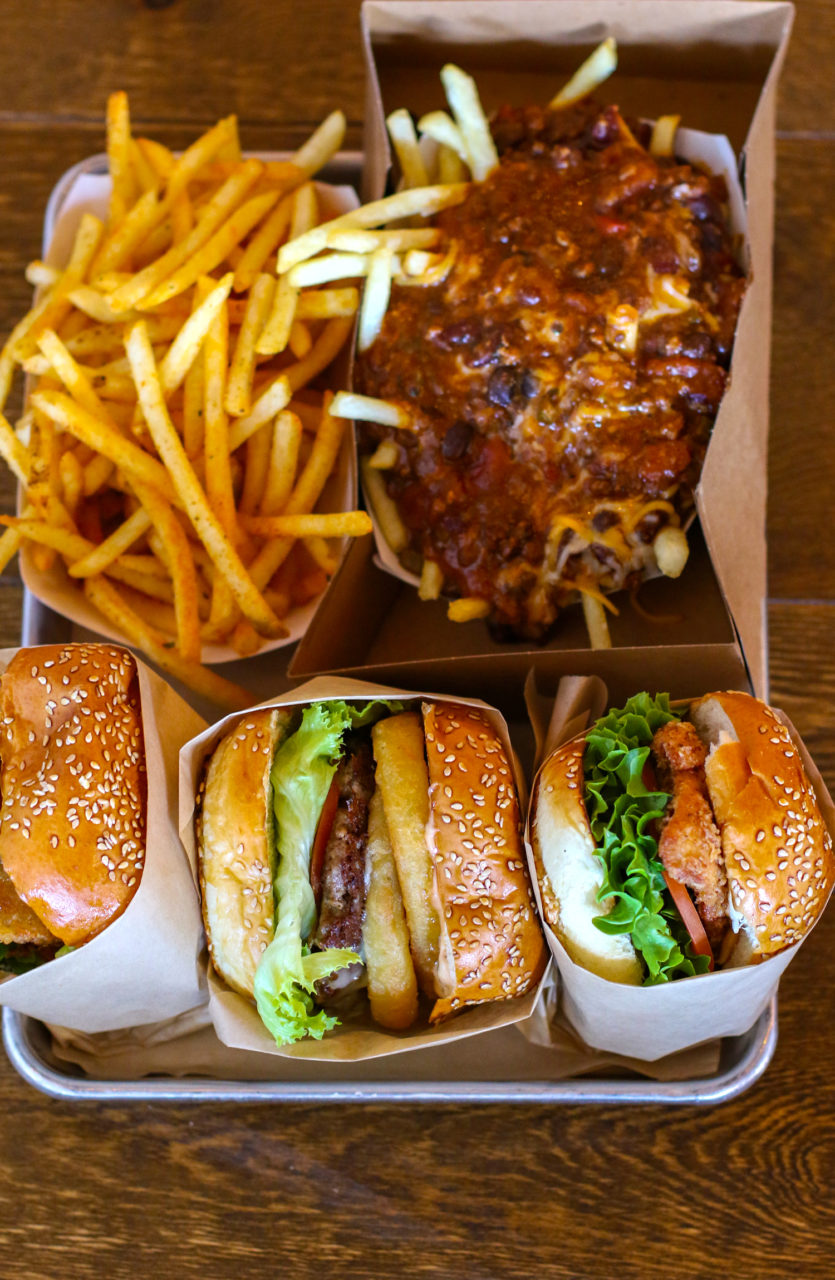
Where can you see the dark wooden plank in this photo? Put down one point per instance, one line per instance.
(802, 664)
(807, 94)
(11, 605)
(194, 60)
(802, 444)
(36, 155)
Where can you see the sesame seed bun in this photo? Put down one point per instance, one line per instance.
(72, 833)
(778, 853)
(491, 945)
(237, 849)
(569, 874)
(19, 926)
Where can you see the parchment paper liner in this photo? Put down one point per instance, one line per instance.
(235, 1020)
(651, 1022)
(188, 1046)
(89, 193)
(147, 964)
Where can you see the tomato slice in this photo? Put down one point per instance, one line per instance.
(320, 840)
(690, 916)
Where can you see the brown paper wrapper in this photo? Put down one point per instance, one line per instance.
(649, 1023)
(147, 964)
(234, 1018)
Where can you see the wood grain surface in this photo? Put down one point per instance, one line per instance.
(743, 1190)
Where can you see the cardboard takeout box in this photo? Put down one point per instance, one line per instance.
(716, 63)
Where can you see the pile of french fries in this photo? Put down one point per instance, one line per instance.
(172, 452)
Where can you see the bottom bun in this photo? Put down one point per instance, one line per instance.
(570, 876)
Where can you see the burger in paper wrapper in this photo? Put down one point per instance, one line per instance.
(99, 918)
(673, 842)
(362, 873)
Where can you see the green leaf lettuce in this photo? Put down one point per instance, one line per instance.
(301, 776)
(623, 814)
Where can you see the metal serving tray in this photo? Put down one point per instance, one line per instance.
(428, 1075)
(498, 1066)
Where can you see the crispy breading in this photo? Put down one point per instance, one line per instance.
(690, 847)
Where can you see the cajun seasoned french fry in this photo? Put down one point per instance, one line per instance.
(242, 368)
(123, 237)
(98, 560)
(276, 331)
(264, 241)
(104, 438)
(124, 190)
(324, 304)
(285, 439)
(14, 453)
(72, 481)
(208, 527)
(217, 211)
(256, 468)
(182, 569)
(218, 475)
(109, 602)
(56, 304)
(214, 251)
(331, 524)
(183, 350)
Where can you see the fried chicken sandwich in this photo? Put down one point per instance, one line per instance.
(671, 841)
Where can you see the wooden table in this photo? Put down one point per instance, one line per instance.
(368, 1191)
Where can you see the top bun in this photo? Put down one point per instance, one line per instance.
(72, 836)
(569, 874)
(778, 853)
(491, 945)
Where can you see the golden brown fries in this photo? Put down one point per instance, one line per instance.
(160, 457)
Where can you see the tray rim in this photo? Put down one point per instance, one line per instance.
(704, 1091)
(39, 625)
